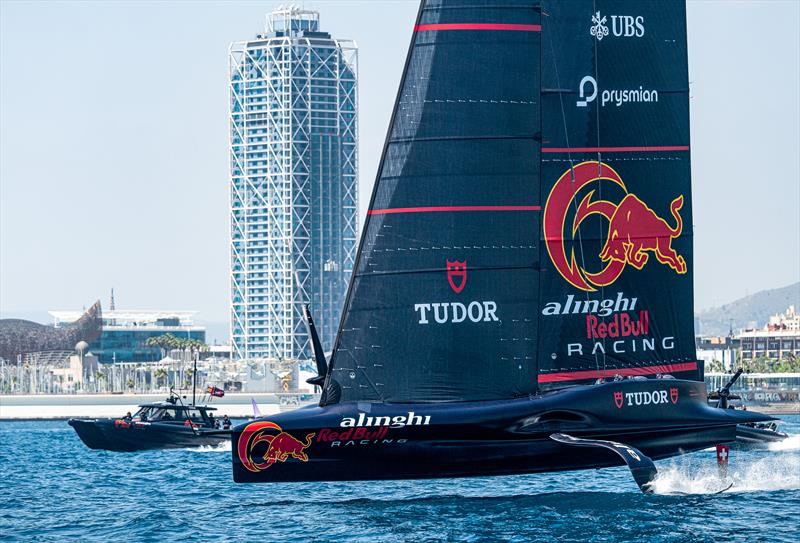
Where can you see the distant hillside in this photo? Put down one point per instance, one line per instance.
(750, 311)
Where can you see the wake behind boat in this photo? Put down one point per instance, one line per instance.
(522, 299)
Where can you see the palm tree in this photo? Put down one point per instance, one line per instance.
(168, 342)
(160, 375)
(99, 377)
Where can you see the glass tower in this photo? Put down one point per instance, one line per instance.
(294, 191)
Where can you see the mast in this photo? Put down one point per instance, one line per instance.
(194, 380)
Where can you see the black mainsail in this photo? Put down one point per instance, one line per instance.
(443, 302)
(487, 268)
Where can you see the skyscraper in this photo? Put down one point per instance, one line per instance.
(294, 189)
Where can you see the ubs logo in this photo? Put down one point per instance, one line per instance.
(622, 26)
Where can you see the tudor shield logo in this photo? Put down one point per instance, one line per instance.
(457, 275)
(447, 312)
(644, 398)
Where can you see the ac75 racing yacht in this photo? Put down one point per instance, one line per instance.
(522, 296)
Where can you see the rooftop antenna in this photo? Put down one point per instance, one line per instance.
(111, 304)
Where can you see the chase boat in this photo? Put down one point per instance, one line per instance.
(752, 434)
(161, 425)
(522, 296)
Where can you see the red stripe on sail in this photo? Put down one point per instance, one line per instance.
(615, 149)
(478, 26)
(435, 209)
(596, 374)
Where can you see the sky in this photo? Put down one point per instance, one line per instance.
(113, 145)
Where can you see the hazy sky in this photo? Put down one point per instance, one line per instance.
(113, 147)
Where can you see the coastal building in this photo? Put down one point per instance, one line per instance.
(718, 353)
(779, 339)
(124, 334)
(79, 368)
(293, 183)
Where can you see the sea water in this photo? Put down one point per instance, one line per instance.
(56, 489)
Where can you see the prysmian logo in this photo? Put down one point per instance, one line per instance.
(622, 26)
(588, 90)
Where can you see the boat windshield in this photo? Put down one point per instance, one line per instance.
(195, 415)
(155, 414)
(162, 414)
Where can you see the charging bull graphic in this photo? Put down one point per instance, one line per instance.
(281, 446)
(634, 229)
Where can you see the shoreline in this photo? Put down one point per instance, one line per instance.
(32, 407)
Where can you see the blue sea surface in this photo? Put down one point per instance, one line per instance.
(56, 489)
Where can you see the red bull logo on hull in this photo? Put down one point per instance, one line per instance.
(281, 446)
(635, 231)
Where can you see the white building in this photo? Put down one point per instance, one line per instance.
(780, 338)
(125, 332)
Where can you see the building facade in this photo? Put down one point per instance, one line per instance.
(779, 339)
(124, 334)
(293, 184)
(718, 353)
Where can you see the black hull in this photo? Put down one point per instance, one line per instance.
(111, 435)
(352, 441)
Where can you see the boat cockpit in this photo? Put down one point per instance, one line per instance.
(177, 414)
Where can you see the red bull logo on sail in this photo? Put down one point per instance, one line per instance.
(635, 231)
